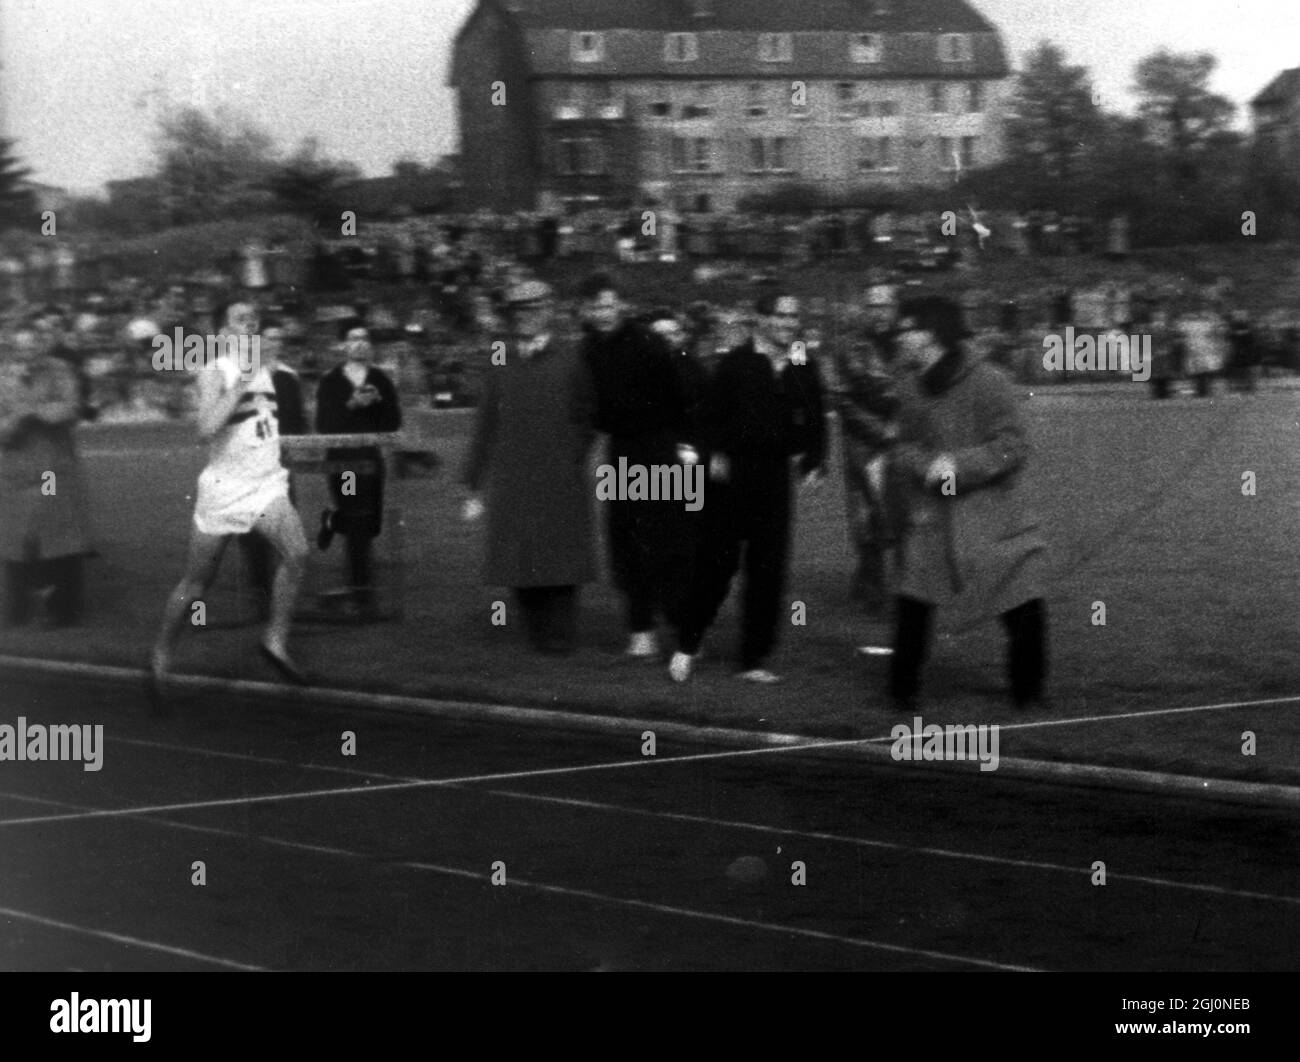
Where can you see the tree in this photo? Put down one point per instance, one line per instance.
(17, 199)
(1054, 121)
(212, 166)
(307, 182)
(1177, 108)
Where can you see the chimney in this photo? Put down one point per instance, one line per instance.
(702, 9)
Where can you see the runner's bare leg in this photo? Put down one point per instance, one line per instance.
(281, 526)
(201, 567)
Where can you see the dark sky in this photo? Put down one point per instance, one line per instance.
(82, 79)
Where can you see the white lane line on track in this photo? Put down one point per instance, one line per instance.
(744, 923)
(833, 838)
(866, 842)
(586, 894)
(119, 938)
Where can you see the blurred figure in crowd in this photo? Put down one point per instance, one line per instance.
(1204, 334)
(44, 524)
(867, 404)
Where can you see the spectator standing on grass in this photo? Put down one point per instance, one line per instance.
(44, 525)
(970, 536)
(763, 411)
(1204, 334)
(356, 398)
(527, 468)
(641, 407)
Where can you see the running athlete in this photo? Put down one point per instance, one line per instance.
(243, 488)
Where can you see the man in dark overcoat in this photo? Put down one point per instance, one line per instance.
(527, 468)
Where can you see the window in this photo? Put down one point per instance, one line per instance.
(568, 103)
(661, 108)
(887, 108)
(770, 154)
(975, 102)
(587, 47)
(866, 48)
(756, 100)
(694, 154)
(968, 152)
(609, 104)
(776, 47)
(681, 48)
(846, 99)
(875, 153)
(580, 156)
(703, 101)
(955, 48)
(938, 102)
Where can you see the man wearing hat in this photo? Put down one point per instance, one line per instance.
(534, 428)
(970, 538)
(358, 398)
(867, 403)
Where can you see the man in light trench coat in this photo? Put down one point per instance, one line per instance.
(970, 539)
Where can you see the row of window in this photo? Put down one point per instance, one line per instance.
(589, 47)
(587, 155)
(763, 100)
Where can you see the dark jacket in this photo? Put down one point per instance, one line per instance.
(640, 403)
(752, 415)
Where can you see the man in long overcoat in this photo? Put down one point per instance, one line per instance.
(534, 429)
(971, 539)
(44, 521)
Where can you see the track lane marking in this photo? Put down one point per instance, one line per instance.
(120, 938)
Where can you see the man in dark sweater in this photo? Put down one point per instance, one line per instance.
(763, 406)
(641, 407)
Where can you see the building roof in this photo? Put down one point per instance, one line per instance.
(726, 39)
(1286, 86)
(771, 16)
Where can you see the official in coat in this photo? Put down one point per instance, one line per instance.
(527, 468)
(44, 522)
(970, 539)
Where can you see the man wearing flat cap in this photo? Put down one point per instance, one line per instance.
(527, 468)
(970, 540)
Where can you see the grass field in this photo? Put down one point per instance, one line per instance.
(1142, 502)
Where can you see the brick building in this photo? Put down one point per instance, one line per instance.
(696, 103)
(1276, 114)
